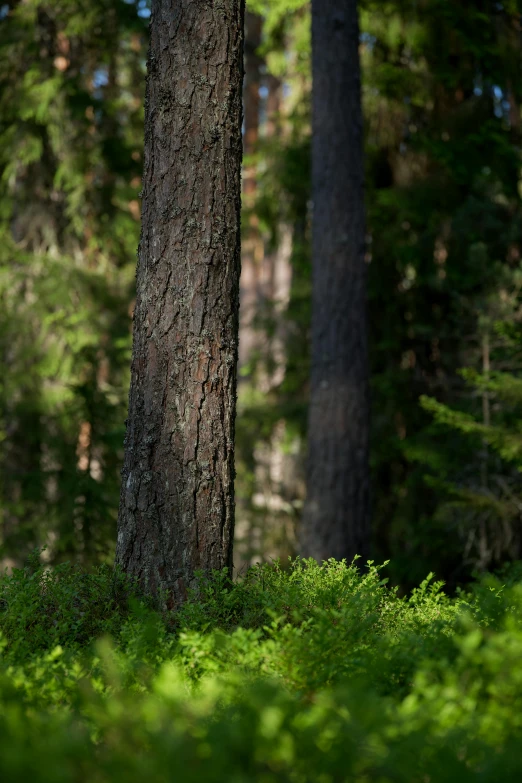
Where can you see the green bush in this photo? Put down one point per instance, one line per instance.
(43, 607)
(310, 673)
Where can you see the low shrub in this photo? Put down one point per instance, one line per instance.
(309, 673)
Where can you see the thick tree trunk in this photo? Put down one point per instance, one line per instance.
(177, 500)
(336, 515)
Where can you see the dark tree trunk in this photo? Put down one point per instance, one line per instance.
(336, 516)
(177, 500)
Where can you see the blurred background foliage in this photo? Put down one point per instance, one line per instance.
(442, 93)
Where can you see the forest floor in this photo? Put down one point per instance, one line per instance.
(303, 673)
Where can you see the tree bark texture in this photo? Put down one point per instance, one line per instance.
(177, 500)
(336, 515)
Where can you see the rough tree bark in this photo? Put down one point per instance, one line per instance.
(177, 500)
(336, 515)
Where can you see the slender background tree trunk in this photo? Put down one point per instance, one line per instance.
(336, 515)
(177, 500)
(252, 248)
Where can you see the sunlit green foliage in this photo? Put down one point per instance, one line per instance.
(315, 673)
(71, 117)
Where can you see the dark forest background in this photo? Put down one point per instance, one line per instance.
(442, 94)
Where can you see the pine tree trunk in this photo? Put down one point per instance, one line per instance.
(336, 515)
(177, 500)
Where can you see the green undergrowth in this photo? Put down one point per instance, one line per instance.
(308, 673)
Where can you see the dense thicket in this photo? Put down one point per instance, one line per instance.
(441, 95)
(71, 138)
(443, 108)
(312, 673)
